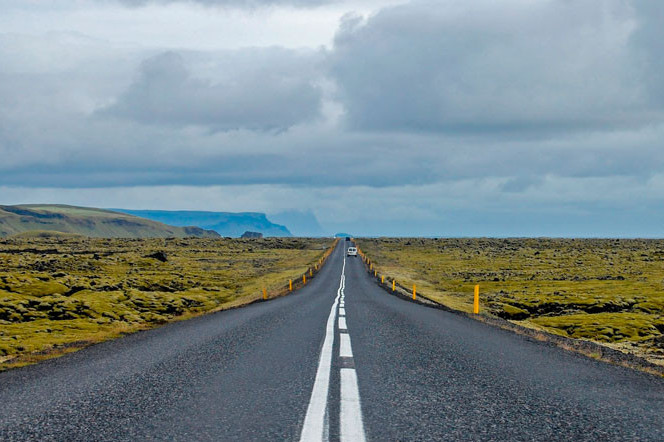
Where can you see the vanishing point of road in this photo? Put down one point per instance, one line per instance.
(340, 359)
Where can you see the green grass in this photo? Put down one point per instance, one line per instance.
(72, 210)
(609, 291)
(58, 294)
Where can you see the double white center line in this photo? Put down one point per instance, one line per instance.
(316, 422)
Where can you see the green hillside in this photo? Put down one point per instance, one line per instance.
(89, 222)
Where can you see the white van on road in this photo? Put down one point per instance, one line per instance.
(352, 251)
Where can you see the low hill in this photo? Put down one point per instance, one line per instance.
(46, 234)
(88, 222)
(224, 223)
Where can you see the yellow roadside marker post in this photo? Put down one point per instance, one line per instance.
(414, 292)
(311, 272)
(264, 293)
(375, 272)
(382, 279)
(304, 279)
(476, 303)
(290, 285)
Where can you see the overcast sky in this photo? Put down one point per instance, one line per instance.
(438, 118)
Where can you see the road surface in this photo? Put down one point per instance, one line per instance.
(338, 360)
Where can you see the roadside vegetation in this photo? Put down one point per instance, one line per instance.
(606, 290)
(63, 292)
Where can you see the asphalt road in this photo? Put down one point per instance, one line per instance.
(341, 360)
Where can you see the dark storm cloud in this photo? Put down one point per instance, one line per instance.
(125, 154)
(494, 67)
(275, 92)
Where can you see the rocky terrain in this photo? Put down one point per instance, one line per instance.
(62, 292)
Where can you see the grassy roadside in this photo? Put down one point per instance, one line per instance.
(606, 291)
(60, 294)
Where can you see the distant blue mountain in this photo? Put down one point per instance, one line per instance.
(224, 223)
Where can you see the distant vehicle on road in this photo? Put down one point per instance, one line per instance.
(352, 251)
(348, 238)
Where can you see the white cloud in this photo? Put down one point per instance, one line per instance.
(272, 89)
(181, 25)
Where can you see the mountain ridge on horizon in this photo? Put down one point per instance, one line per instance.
(232, 224)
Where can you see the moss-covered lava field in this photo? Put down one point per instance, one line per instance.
(61, 293)
(607, 290)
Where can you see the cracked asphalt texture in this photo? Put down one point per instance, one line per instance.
(247, 374)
